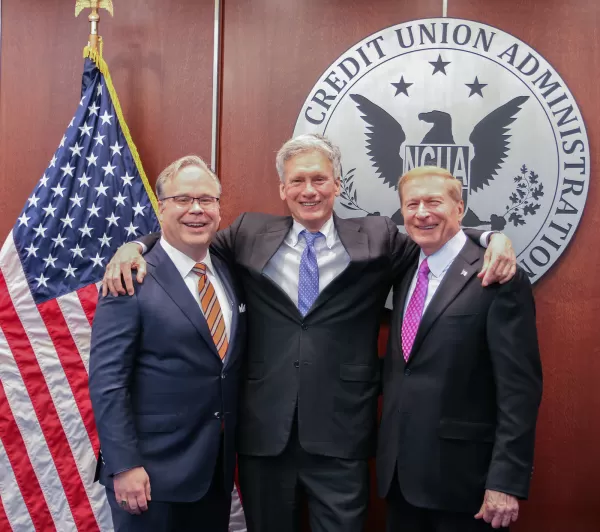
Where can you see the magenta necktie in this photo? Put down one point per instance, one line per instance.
(414, 311)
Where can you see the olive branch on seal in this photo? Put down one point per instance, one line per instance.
(522, 199)
(349, 194)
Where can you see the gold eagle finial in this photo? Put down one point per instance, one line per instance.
(80, 5)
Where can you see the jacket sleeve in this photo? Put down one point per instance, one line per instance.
(115, 336)
(474, 234)
(404, 252)
(513, 344)
(149, 240)
(223, 245)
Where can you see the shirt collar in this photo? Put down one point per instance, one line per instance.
(328, 230)
(439, 261)
(183, 263)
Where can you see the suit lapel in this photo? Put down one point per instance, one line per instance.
(356, 244)
(353, 239)
(268, 242)
(400, 298)
(167, 276)
(458, 275)
(227, 282)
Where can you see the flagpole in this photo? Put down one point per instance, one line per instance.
(94, 18)
(216, 96)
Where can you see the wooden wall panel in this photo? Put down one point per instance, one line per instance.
(567, 463)
(160, 58)
(273, 54)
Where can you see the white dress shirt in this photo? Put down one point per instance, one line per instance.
(439, 263)
(284, 267)
(184, 265)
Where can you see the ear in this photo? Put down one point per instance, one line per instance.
(282, 194)
(461, 210)
(338, 186)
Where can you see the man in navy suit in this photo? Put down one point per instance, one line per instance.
(164, 371)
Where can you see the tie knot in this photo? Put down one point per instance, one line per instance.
(310, 237)
(424, 269)
(199, 268)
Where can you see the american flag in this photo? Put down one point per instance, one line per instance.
(92, 198)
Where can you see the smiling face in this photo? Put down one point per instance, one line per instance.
(309, 188)
(190, 229)
(431, 215)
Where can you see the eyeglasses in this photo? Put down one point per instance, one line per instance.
(206, 202)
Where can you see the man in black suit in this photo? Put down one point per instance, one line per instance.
(315, 286)
(462, 378)
(165, 369)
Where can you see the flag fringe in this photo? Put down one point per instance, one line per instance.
(96, 57)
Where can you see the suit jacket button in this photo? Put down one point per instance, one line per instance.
(217, 415)
(304, 327)
(223, 375)
(296, 363)
(407, 372)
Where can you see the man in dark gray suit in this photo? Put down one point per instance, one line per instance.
(315, 285)
(164, 371)
(462, 378)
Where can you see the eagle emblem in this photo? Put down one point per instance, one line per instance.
(476, 165)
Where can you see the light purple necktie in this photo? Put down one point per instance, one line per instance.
(414, 311)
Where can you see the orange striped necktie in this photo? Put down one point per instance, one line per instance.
(211, 309)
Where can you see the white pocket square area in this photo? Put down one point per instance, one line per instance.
(242, 308)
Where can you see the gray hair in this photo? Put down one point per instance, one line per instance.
(171, 171)
(306, 143)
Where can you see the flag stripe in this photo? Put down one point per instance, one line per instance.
(237, 520)
(71, 362)
(85, 455)
(35, 448)
(78, 324)
(4, 524)
(47, 415)
(19, 488)
(60, 392)
(88, 295)
(45, 352)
